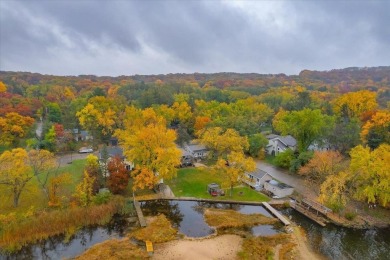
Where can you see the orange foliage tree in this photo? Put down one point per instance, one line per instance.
(119, 176)
(322, 165)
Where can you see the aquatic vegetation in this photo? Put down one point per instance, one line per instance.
(263, 247)
(114, 249)
(42, 225)
(158, 231)
(223, 219)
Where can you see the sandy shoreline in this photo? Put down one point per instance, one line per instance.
(223, 247)
(220, 247)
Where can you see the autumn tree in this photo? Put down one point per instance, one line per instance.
(84, 190)
(221, 143)
(41, 162)
(228, 147)
(354, 104)
(3, 87)
(150, 145)
(333, 191)
(118, 175)
(371, 174)
(201, 123)
(322, 165)
(233, 168)
(377, 129)
(93, 169)
(15, 172)
(100, 116)
(56, 186)
(13, 127)
(305, 125)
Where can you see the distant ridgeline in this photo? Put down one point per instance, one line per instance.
(335, 81)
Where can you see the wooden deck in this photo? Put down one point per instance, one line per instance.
(316, 206)
(276, 214)
(305, 211)
(140, 215)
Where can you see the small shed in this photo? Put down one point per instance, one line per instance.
(278, 188)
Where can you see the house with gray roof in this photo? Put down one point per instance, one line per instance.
(278, 144)
(198, 151)
(257, 178)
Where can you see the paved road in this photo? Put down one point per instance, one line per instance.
(67, 158)
(284, 176)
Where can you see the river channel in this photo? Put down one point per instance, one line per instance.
(331, 241)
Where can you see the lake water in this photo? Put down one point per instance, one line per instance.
(331, 241)
(187, 216)
(336, 242)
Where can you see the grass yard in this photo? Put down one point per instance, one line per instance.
(192, 182)
(33, 196)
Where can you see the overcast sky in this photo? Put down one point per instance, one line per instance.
(114, 38)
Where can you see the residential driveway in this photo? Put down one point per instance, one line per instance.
(289, 178)
(68, 158)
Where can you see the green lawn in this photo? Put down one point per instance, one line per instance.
(192, 182)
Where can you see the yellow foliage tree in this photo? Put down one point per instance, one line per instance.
(3, 87)
(233, 168)
(222, 143)
(333, 191)
(84, 190)
(13, 127)
(183, 111)
(354, 104)
(15, 172)
(150, 145)
(377, 130)
(99, 115)
(371, 173)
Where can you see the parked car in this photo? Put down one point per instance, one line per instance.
(186, 163)
(85, 150)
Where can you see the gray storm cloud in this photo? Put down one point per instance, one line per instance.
(152, 37)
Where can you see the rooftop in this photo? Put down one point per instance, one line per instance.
(280, 185)
(258, 173)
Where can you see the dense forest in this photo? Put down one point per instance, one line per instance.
(335, 110)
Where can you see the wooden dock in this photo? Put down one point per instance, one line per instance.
(318, 219)
(140, 215)
(276, 214)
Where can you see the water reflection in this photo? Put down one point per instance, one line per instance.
(345, 243)
(188, 216)
(56, 248)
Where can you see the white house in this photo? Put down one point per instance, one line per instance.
(279, 189)
(198, 151)
(278, 144)
(257, 178)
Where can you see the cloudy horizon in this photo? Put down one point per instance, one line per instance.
(112, 38)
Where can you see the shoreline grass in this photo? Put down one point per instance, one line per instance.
(222, 219)
(14, 235)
